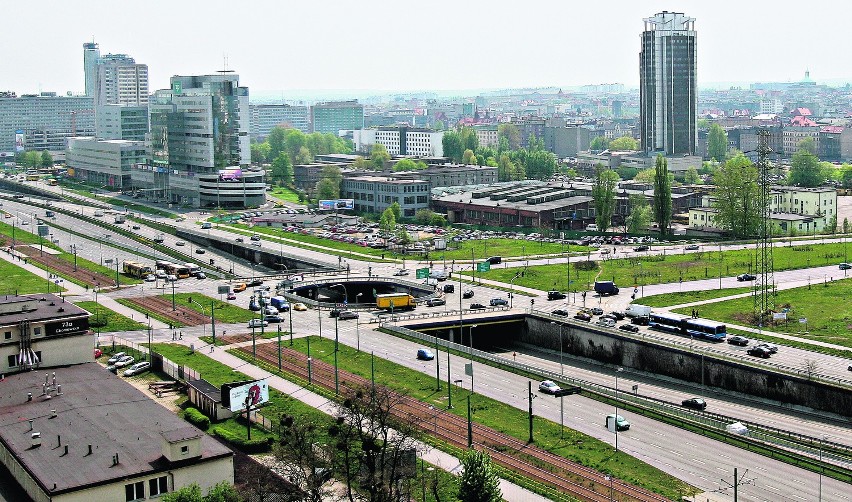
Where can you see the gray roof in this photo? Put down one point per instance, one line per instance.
(95, 408)
(36, 308)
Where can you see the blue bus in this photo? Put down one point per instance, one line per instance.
(705, 328)
(683, 325)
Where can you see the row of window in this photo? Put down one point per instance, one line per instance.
(136, 491)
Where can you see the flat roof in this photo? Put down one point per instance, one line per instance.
(37, 307)
(95, 408)
(382, 179)
(522, 205)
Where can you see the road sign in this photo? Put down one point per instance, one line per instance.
(223, 290)
(803, 320)
(468, 369)
(423, 273)
(43, 231)
(483, 267)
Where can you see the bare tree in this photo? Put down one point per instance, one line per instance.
(811, 367)
(305, 458)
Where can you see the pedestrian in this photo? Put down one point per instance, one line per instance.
(181, 335)
(211, 349)
(515, 356)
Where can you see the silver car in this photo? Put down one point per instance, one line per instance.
(137, 368)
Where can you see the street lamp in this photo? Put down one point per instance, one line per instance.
(821, 466)
(469, 421)
(358, 326)
(617, 371)
(561, 367)
(512, 292)
(470, 334)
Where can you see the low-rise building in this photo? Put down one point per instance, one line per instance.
(448, 175)
(406, 141)
(105, 162)
(374, 194)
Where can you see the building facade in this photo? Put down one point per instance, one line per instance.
(44, 121)
(335, 116)
(125, 122)
(667, 84)
(105, 162)
(265, 117)
(91, 55)
(401, 141)
(374, 194)
(122, 81)
(200, 153)
(487, 135)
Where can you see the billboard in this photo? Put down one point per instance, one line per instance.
(255, 392)
(235, 174)
(19, 141)
(67, 328)
(336, 204)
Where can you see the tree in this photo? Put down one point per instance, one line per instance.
(805, 169)
(736, 197)
(223, 492)
(46, 159)
(452, 144)
(505, 168)
(361, 163)
(662, 195)
(623, 144)
(691, 176)
(717, 143)
(809, 145)
(405, 165)
(478, 482)
(468, 157)
(191, 493)
(469, 139)
(328, 186)
(282, 170)
(439, 125)
(511, 134)
(260, 152)
(603, 193)
(304, 156)
(540, 165)
(423, 216)
(640, 215)
(304, 456)
(276, 140)
(379, 155)
(403, 238)
(599, 143)
(397, 211)
(387, 222)
(645, 176)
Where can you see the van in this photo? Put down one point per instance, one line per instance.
(591, 227)
(99, 214)
(206, 225)
(636, 310)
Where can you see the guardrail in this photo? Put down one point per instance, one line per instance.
(434, 314)
(806, 445)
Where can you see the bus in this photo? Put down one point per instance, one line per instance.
(136, 269)
(52, 182)
(683, 325)
(193, 268)
(33, 177)
(179, 271)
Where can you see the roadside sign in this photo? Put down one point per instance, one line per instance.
(468, 369)
(223, 290)
(422, 273)
(483, 267)
(803, 320)
(779, 316)
(43, 231)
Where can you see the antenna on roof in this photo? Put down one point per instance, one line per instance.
(225, 69)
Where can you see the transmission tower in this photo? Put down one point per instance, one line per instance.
(764, 297)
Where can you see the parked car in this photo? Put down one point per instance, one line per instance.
(696, 403)
(596, 311)
(759, 351)
(691, 247)
(124, 361)
(746, 277)
(98, 353)
(632, 328)
(115, 357)
(476, 306)
(137, 368)
(560, 312)
(434, 302)
(425, 355)
(257, 323)
(347, 314)
(467, 294)
(299, 307)
(582, 316)
(498, 302)
(549, 387)
(738, 340)
(641, 248)
(555, 295)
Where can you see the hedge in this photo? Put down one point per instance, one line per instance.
(197, 418)
(260, 445)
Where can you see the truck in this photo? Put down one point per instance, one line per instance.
(395, 301)
(604, 288)
(637, 310)
(119, 219)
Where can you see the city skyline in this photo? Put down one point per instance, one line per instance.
(340, 46)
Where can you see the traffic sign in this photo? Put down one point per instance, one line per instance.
(422, 273)
(483, 267)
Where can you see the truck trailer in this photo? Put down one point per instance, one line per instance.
(395, 301)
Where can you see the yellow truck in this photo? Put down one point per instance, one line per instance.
(395, 301)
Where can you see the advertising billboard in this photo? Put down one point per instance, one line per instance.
(254, 393)
(230, 174)
(67, 328)
(336, 204)
(19, 141)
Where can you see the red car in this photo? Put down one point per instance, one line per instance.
(98, 353)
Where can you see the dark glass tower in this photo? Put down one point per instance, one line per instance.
(667, 84)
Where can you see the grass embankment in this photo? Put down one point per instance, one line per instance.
(285, 194)
(14, 279)
(226, 313)
(505, 248)
(669, 299)
(280, 404)
(108, 321)
(499, 416)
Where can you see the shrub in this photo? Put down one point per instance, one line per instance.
(259, 445)
(197, 418)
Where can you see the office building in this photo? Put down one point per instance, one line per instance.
(667, 85)
(401, 141)
(335, 116)
(200, 152)
(125, 122)
(374, 194)
(104, 162)
(43, 121)
(121, 81)
(265, 117)
(91, 55)
(450, 175)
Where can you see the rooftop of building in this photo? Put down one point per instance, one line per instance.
(383, 179)
(483, 196)
(36, 307)
(94, 408)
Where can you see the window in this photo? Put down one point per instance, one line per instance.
(13, 360)
(184, 450)
(158, 486)
(7, 335)
(134, 491)
(36, 331)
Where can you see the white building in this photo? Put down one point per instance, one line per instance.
(121, 81)
(44, 121)
(105, 162)
(401, 141)
(265, 117)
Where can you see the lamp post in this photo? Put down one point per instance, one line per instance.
(470, 334)
(469, 420)
(358, 326)
(336, 377)
(821, 466)
(617, 371)
(512, 292)
(561, 367)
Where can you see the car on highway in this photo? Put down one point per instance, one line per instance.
(738, 340)
(449, 288)
(691, 247)
(498, 302)
(596, 311)
(25, 222)
(618, 316)
(606, 322)
(124, 361)
(621, 424)
(180, 243)
(240, 239)
(171, 278)
(467, 294)
(200, 275)
(746, 277)
(347, 314)
(136, 227)
(300, 307)
(771, 347)
(334, 313)
(160, 274)
(150, 278)
(401, 272)
(641, 248)
(632, 328)
(560, 312)
(231, 296)
(199, 251)
(696, 403)
(137, 368)
(476, 306)
(257, 323)
(494, 260)
(239, 287)
(425, 355)
(115, 357)
(844, 266)
(582, 316)
(555, 295)
(549, 387)
(640, 320)
(759, 351)
(273, 318)
(434, 302)
(255, 237)
(255, 282)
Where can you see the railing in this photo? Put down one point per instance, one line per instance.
(382, 318)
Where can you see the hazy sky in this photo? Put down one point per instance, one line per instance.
(415, 45)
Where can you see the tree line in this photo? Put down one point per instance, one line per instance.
(286, 147)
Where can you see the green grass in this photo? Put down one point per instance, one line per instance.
(108, 321)
(285, 194)
(127, 303)
(343, 248)
(829, 317)
(15, 279)
(267, 335)
(505, 248)
(499, 416)
(669, 299)
(21, 236)
(226, 313)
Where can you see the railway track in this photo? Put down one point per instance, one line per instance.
(163, 308)
(66, 269)
(527, 460)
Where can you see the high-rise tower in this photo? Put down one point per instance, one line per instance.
(91, 55)
(667, 84)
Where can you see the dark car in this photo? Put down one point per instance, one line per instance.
(759, 351)
(738, 340)
(618, 316)
(844, 266)
(629, 327)
(641, 248)
(254, 282)
(696, 403)
(334, 313)
(449, 288)
(494, 260)
(498, 302)
(555, 295)
(582, 316)
(560, 312)
(476, 306)
(746, 277)
(425, 355)
(596, 311)
(640, 320)
(468, 294)
(347, 314)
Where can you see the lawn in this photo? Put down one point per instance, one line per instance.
(108, 321)
(499, 416)
(506, 248)
(14, 279)
(343, 247)
(226, 313)
(22, 236)
(285, 194)
(128, 303)
(828, 318)
(660, 269)
(669, 299)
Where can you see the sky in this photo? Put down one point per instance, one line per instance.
(407, 45)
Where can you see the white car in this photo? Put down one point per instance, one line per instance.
(549, 387)
(115, 357)
(257, 323)
(124, 361)
(137, 368)
(171, 278)
(150, 278)
(180, 243)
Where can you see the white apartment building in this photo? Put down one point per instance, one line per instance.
(265, 117)
(121, 81)
(414, 142)
(44, 121)
(487, 136)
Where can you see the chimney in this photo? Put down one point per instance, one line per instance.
(31, 424)
(90, 451)
(66, 451)
(36, 439)
(52, 413)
